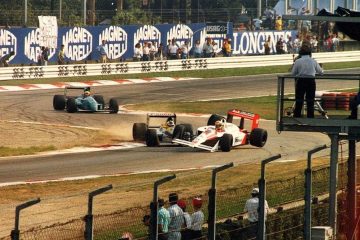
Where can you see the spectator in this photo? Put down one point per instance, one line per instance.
(215, 48)
(267, 45)
(185, 232)
(290, 45)
(305, 69)
(146, 52)
(227, 47)
(197, 219)
(296, 44)
(278, 23)
(173, 49)
(163, 220)
(177, 219)
(160, 52)
(314, 44)
(334, 43)
(45, 56)
(127, 236)
(4, 61)
(208, 48)
(102, 51)
(61, 55)
(257, 24)
(197, 49)
(168, 49)
(280, 46)
(251, 209)
(184, 50)
(137, 52)
(153, 50)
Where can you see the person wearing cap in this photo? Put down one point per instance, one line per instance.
(163, 220)
(176, 216)
(304, 69)
(185, 231)
(251, 208)
(197, 219)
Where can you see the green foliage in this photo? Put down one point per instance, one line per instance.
(133, 16)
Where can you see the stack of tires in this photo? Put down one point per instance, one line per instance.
(343, 101)
(328, 101)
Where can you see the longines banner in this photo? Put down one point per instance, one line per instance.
(81, 42)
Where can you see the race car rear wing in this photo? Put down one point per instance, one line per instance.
(159, 115)
(243, 115)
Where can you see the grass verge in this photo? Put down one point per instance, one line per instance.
(9, 151)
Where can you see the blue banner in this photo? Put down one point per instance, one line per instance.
(80, 43)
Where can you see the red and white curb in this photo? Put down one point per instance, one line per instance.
(95, 83)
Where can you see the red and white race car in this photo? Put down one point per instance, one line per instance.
(221, 133)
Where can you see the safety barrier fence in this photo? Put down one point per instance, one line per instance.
(52, 220)
(81, 70)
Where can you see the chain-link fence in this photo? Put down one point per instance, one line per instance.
(53, 220)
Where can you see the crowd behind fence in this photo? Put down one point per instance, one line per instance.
(284, 197)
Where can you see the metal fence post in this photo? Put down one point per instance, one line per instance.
(155, 206)
(262, 195)
(308, 193)
(333, 181)
(15, 234)
(212, 202)
(89, 217)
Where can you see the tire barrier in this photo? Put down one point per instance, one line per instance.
(343, 101)
(329, 101)
(337, 101)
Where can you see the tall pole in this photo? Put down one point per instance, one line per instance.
(259, 8)
(25, 13)
(60, 8)
(84, 12)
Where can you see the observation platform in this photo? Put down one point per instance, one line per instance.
(329, 118)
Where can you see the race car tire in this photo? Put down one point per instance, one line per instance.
(71, 105)
(188, 129)
(113, 105)
(100, 100)
(151, 138)
(179, 131)
(213, 118)
(225, 142)
(139, 131)
(258, 137)
(59, 102)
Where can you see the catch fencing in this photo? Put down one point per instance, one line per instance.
(50, 219)
(83, 70)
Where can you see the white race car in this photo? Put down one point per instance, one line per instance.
(221, 133)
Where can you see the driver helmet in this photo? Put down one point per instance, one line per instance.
(219, 125)
(87, 93)
(170, 122)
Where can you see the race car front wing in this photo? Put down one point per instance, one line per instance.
(193, 145)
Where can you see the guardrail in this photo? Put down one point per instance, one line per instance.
(55, 71)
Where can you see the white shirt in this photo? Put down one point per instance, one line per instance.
(306, 67)
(251, 207)
(176, 222)
(197, 220)
(173, 49)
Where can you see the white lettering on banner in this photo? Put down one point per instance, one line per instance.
(8, 43)
(78, 43)
(32, 45)
(181, 33)
(116, 41)
(253, 42)
(147, 33)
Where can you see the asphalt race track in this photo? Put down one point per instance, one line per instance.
(37, 106)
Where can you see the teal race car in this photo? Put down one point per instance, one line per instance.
(84, 102)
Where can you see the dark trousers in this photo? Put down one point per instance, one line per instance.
(304, 87)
